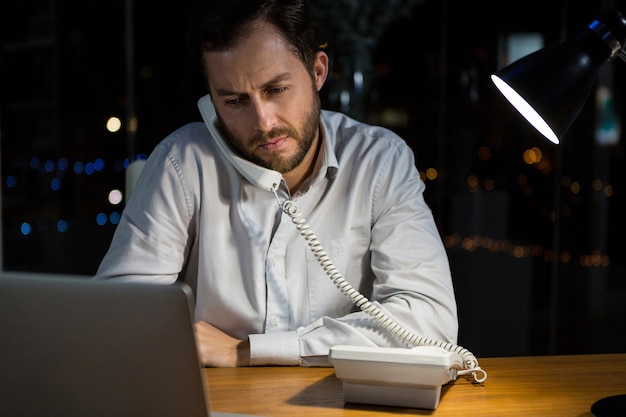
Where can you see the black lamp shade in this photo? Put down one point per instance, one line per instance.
(555, 81)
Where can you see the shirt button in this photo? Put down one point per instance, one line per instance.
(275, 321)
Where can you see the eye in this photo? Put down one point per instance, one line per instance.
(234, 102)
(276, 90)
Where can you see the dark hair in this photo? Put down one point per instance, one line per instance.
(218, 25)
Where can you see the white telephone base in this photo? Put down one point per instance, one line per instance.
(394, 376)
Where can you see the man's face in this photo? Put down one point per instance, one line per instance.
(266, 100)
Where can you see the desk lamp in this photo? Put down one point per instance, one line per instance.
(549, 87)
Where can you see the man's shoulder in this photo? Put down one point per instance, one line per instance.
(344, 131)
(190, 132)
(188, 143)
(191, 137)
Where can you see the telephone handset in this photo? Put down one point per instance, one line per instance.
(263, 178)
(434, 363)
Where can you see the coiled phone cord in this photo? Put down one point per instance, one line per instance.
(470, 361)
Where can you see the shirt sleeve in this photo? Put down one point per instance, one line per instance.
(150, 241)
(281, 348)
(413, 284)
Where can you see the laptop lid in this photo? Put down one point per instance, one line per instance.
(71, 346)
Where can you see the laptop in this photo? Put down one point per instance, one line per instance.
(71, 346)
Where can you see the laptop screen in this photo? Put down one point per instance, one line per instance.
(72, 346)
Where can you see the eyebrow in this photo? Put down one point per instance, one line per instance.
(279, 78)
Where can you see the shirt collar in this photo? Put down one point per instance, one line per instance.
(327, 163)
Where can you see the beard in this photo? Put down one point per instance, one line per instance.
(303, 136)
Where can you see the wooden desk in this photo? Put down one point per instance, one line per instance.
(516, 386)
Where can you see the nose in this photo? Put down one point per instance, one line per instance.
(264, 115)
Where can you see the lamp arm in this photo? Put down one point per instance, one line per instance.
(611, 28)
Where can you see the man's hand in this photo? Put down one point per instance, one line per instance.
(218, 350)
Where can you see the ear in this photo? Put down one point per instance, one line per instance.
(320, 69)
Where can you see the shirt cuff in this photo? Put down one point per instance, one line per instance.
(279, 348)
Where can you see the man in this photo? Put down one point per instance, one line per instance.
(262, 298)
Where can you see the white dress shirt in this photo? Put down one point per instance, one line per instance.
(193, 217)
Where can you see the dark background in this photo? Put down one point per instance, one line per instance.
(536, 249)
